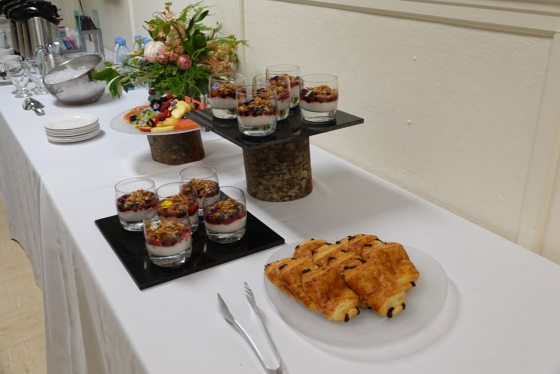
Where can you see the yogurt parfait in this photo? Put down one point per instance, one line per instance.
(292, 73)
(135, 201)
(169, 242)
(225, 219)
(179, 208)
(222, 94)
(281, 86)
(256, 111)
(319, 98)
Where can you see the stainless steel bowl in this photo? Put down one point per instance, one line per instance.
(72, 81)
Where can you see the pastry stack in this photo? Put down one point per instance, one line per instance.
(337, 279)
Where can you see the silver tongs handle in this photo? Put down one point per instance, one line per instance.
(228, 316)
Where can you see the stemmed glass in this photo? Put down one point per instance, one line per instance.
(19, 77)
(36, 70)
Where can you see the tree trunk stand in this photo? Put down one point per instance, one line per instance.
(176, 149)
(279, 172)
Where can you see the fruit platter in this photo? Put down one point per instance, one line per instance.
(164, 115)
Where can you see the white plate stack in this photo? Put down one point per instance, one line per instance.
(72, 128)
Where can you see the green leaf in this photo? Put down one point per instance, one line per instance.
(105, 74)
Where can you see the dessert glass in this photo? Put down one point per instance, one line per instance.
(136, 201)
(221, 94)
(225, 219)
(281, 85)
(256, 110)
(169, 242)
(319, 97)
(177, 205)
(292, 73)
(201, 180)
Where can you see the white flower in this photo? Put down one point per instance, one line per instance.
(152, 49)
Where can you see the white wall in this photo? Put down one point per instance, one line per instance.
(454, 111)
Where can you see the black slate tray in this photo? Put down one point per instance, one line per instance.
(130, 248)
(291, 128)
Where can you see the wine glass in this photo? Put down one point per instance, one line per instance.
(36, 70)
(19, 77)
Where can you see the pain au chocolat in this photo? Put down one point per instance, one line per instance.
(336, 279)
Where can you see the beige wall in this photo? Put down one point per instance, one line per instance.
(453, 112)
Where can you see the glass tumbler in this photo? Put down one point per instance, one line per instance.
(18, 76)
(36, 70)
(201, 180)
(225, 219)
(136, 201)
(169, 242)
(257, 109)
(281, 85)
(319, 97)
(292, 73)
(222, 94)
(176, 204)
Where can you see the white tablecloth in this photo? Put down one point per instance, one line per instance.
(503, 308)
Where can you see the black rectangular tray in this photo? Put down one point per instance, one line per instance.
(131, 250)
(291, 128)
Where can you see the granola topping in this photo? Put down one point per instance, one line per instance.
(319, 94)
(223, 90)
(202, 187)
(136, 201)
(224, 212)
(256, 107)
(165, 233)
(178, 206)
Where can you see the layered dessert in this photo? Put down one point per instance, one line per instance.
(202, 189)
(222, 95)
(225, 216)
(166, 238)
(319, 98)
(256, 112)
(179, 207)
(136, 206)
(283, 95)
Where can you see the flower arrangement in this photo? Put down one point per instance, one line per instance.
(183, 54)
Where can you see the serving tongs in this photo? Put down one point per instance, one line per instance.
(228, 316)
(34, 105)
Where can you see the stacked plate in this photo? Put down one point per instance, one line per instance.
(72, 128)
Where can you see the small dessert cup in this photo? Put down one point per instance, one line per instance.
(292, 73)
(226, 218)
(136, 201)
(221, 89)
(256, 110)
(319, 98)
(175, 205)
(169, 242)
(201, 180)
(281, 85)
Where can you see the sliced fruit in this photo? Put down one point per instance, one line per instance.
(186, 124)
(163, 129)
(134, 111)
(171, 121)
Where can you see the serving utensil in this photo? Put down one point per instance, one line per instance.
(34, 105)
(253, 302)
(228, 316)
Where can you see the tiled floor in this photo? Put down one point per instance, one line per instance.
(22, 339)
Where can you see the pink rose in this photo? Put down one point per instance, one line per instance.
(152, 49)
(184, 62)
(162, 58)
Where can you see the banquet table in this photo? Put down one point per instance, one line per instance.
(500, 314)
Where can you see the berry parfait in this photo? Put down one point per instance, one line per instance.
(225, 219)
(222, 94)
(135, 201)
(201, 181)
(281, 85)
(292, 73)
(169, 242)
(178, 206)
(256, 110)
(319, 97)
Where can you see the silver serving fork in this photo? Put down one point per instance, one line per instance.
(232, 321)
